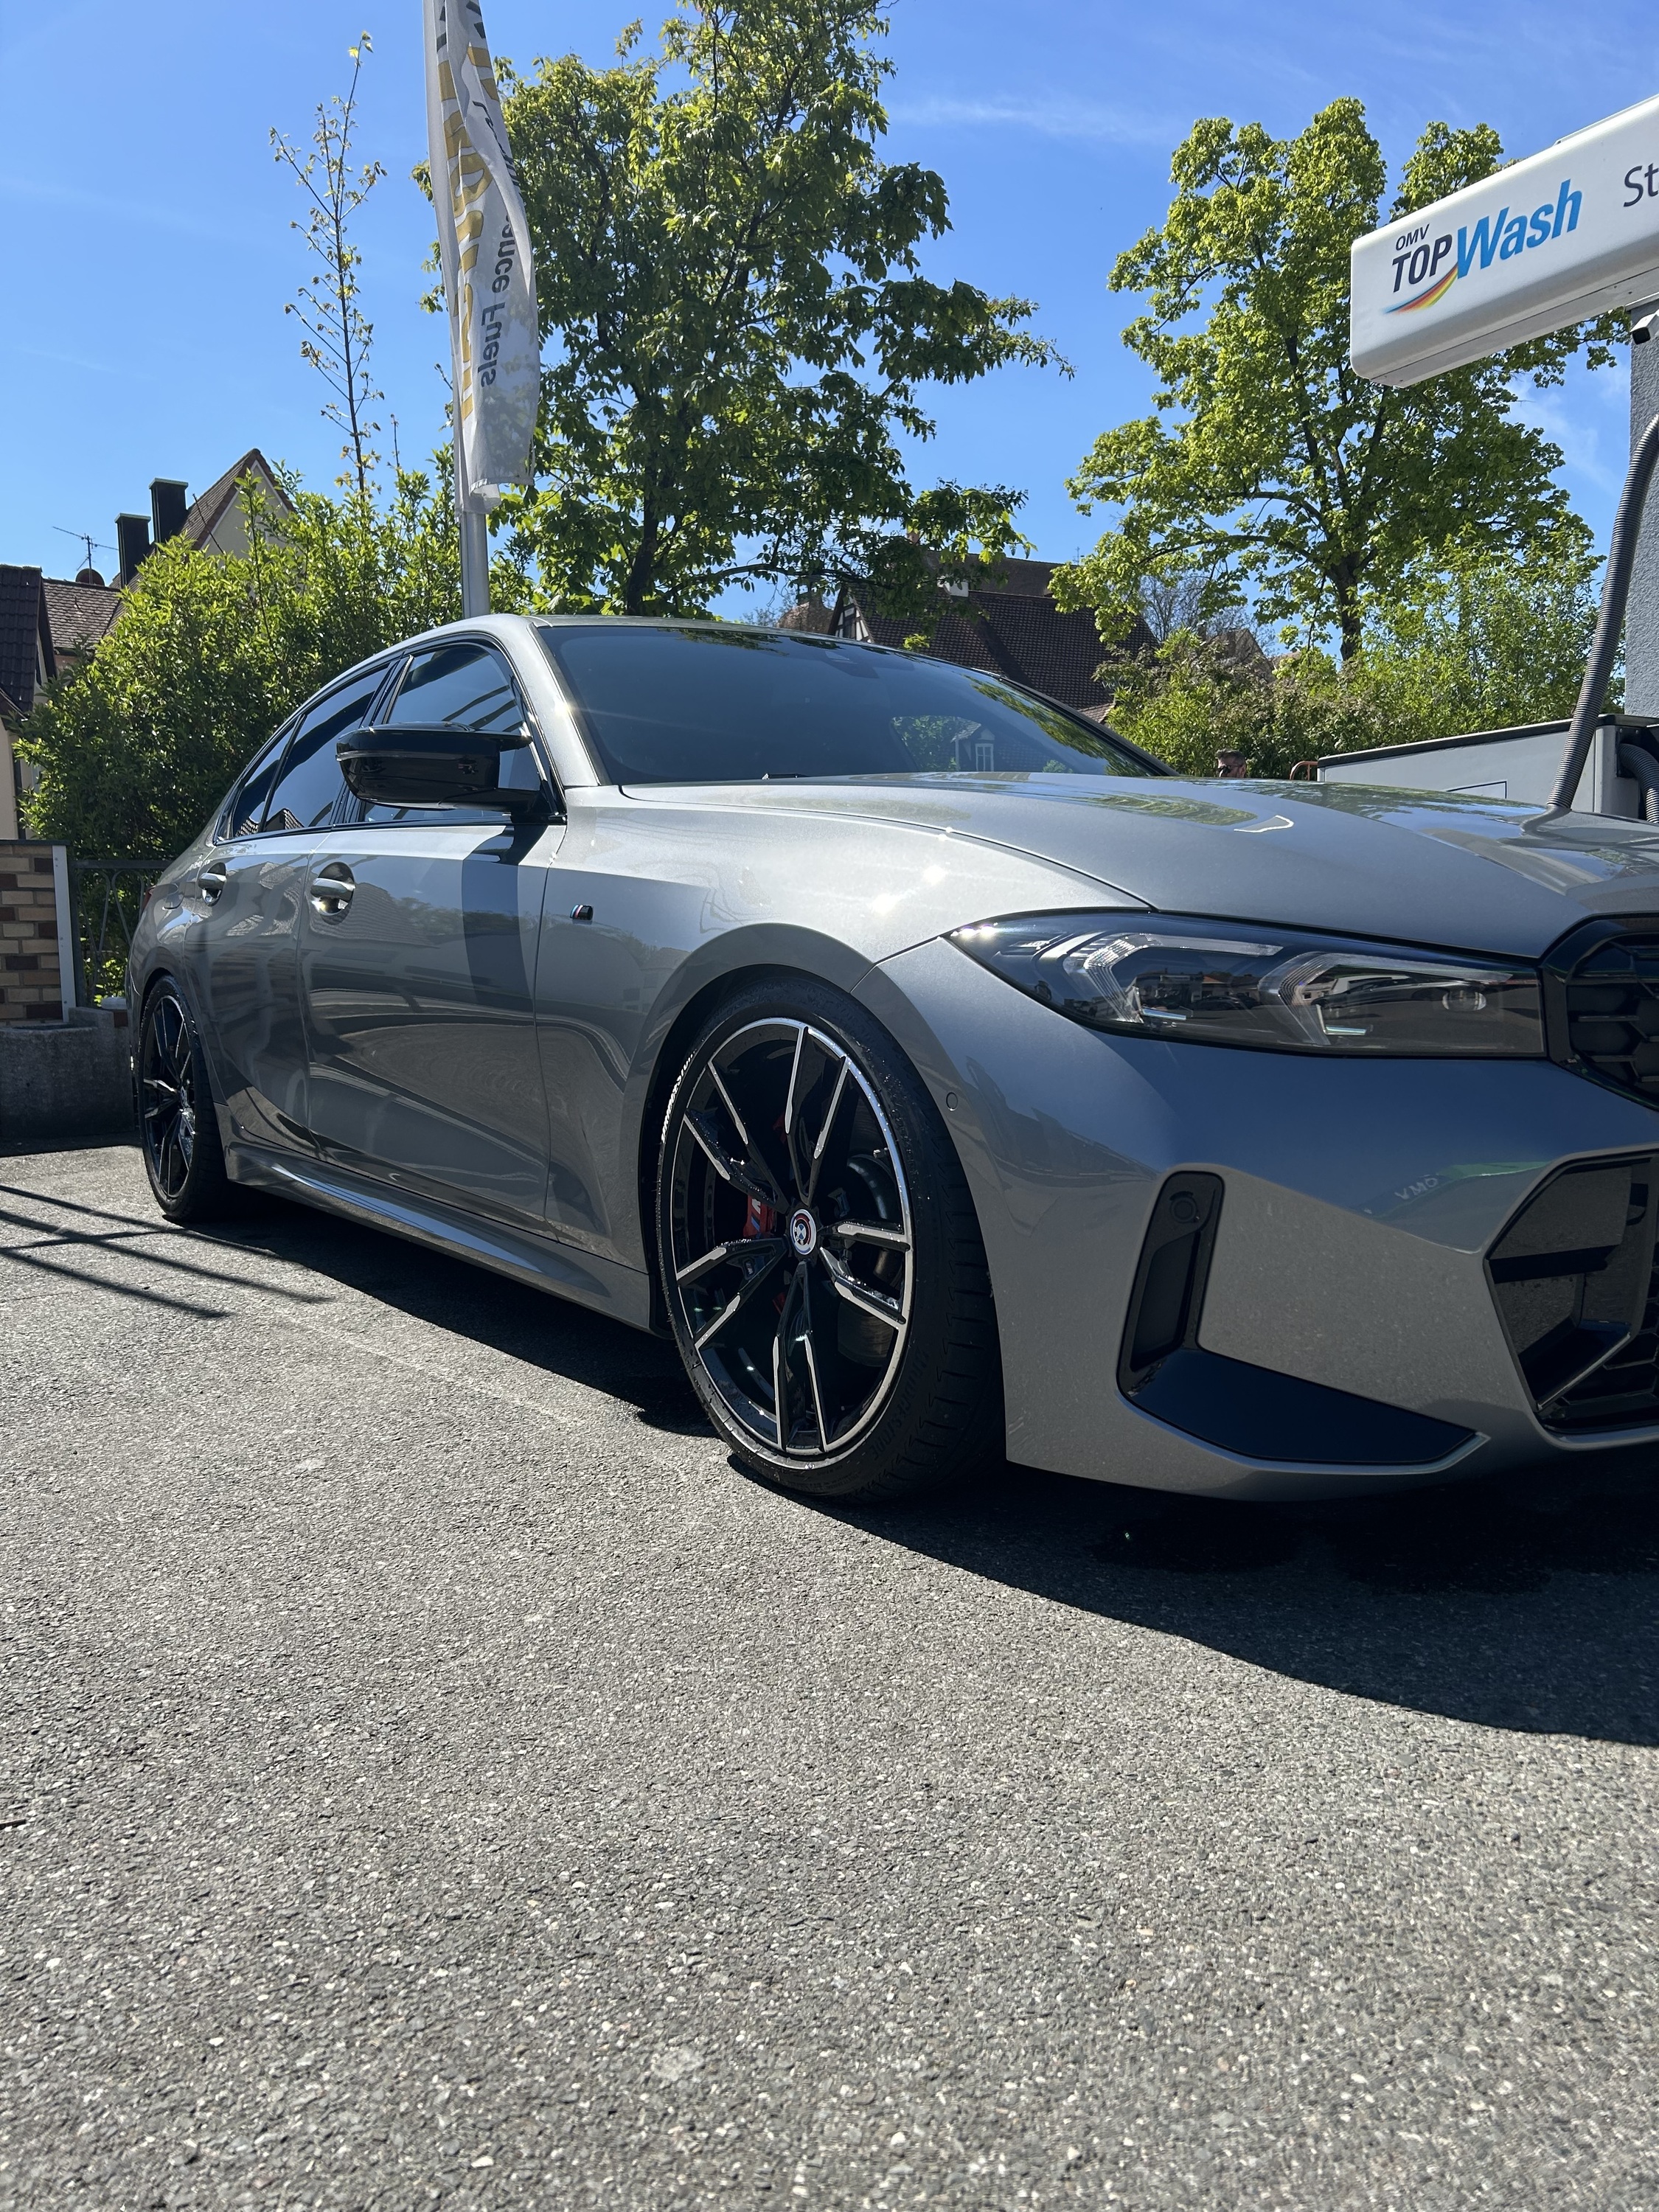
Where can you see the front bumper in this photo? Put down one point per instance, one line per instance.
(1361, 1202)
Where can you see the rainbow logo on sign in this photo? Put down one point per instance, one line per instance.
(1498, 237)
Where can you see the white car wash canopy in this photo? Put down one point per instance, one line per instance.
(1570, 234)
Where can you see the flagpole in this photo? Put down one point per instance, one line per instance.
(475, 547)
(471, 527)
(490, 283)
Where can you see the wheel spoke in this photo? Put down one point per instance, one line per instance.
(783, 1412)
(795, 1168)
(823, 1134)
(755, 1159)
(731, 1170)
(722, 1254)
(869, 1232)
(768, 1251)
(807, 1345)
(739, 1123)
(859, 1294)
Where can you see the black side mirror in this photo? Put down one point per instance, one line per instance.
(389, 766)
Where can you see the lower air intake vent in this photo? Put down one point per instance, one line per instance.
(1253, 1413)
(1573, 1275)
(1612, 1005)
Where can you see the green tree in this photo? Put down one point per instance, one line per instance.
(741, 328)
(1267, 463)
(1481, 638)
(212, 652)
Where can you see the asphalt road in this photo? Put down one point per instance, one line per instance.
(431, 1774)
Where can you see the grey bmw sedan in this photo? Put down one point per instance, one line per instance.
(947, 1078)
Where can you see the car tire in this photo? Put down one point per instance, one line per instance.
(821, 1258)
(178, 1128)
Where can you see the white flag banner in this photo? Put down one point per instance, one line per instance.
(483, 248)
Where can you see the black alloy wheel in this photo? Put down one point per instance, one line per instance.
(183, 1155)
(820, 1254)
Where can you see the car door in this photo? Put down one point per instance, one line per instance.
(417, 960)
(249, 895)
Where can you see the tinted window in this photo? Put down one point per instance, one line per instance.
(310, 785)
(247, 809)
(462, 687)
(701, 706)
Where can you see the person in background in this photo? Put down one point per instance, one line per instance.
(1228, 762)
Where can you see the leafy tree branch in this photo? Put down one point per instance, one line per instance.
(337, 337)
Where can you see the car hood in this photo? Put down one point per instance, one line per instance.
(1429, 867)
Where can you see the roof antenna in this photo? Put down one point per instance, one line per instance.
(84, 538)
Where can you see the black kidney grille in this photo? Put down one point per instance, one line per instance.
(1612, 1014)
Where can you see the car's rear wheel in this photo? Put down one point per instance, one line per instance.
(183, 1157)
(820, 1254)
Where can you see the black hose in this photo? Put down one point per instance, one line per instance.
(1637, 761)
(1615, 590)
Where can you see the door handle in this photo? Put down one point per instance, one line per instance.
(331, 890)
(211, 880)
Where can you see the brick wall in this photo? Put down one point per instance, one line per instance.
(30, 986)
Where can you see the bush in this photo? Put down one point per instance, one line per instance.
(1200, 695)
(1479, 639)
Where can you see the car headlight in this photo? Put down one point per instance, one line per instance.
(1215, 982)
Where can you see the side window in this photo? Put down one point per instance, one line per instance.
(462, 687)
(310, 785)
(465, 687)
(246, 810)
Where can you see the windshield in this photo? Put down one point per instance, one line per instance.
(736, 706)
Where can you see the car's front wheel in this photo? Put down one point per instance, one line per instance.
(820, 1254)
(183, 1157)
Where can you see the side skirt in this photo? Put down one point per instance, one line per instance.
(624, 1293)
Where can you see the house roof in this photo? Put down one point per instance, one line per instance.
(210, 511)
(26, 654)
(1013, 628)
(44, 618)
(78, 614)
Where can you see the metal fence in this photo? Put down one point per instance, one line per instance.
(107, 897)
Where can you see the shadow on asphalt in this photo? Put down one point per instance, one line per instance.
(1527, 1601)
(544, 1332)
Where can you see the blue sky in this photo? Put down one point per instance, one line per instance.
(151, 252)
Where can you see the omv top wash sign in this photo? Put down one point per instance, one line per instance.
(1566, 235)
